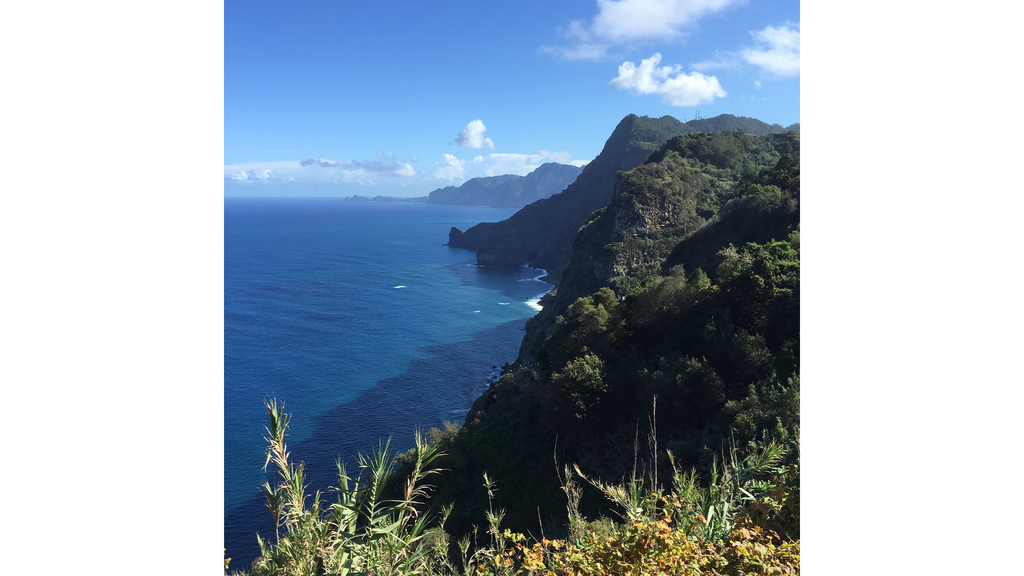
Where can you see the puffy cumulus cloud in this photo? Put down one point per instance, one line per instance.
(777, 49)
(473, 136)
(449, 168)
(675, 88)
(627, 21)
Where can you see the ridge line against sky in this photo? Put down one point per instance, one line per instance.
(330, 98)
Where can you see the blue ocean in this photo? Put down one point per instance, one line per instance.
(360, 319)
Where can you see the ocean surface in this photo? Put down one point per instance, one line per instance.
(359, 319)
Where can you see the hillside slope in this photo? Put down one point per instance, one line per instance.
(542, 232)
(715, 348)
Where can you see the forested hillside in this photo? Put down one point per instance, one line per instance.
(686, 287)
(542, 233)
(652, 420)
(737, 124)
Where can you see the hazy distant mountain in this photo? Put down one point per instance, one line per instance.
(509, 190)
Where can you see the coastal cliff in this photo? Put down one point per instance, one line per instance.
(685, 286)
(542, 233)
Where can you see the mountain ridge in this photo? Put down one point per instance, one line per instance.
(542, 233)
(509, 190)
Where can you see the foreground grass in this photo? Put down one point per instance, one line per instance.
(745, 520)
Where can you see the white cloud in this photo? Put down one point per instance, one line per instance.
(473, 136)
(384, 165)
(583, 51)
(323, 171)
(255, 175)
(560, 157)
(387, 175)
(449, 168)
(626, 21)
(498, 163)
(676, 88)
(777, 49)
(722, 60)
(757, 84)
(406, 170)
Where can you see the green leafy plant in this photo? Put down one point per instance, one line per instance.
(362, 532)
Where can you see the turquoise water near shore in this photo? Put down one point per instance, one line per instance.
(358, 317)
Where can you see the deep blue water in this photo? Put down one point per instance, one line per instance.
(363, 323)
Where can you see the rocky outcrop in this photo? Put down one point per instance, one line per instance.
(654, 209)
(542, 233)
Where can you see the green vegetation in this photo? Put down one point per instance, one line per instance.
(542, 233)
(737, 124)
(744, 520)
(651, 424)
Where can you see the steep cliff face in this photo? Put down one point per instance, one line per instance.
(655, 208)
(509, 190)
(542, 233)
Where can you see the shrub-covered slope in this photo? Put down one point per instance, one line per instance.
(679, 190)
(718, 346)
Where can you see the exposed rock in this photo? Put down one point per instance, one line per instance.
(542, 233)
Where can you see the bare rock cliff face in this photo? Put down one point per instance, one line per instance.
(653, 208)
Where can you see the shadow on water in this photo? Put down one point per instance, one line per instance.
(440, 387)
(525, 284)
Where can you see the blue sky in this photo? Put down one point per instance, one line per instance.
(340, 98)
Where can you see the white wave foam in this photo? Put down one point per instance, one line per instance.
(400, 286)
(534, 303)
(503, 303)
(538, 277)
(476, 311)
